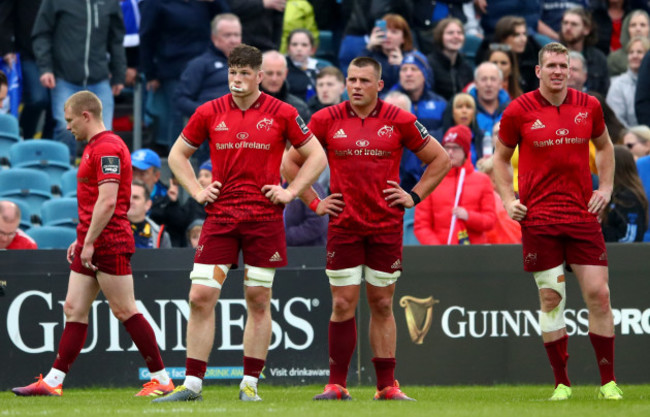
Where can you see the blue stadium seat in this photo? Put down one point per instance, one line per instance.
(48, 156)
(326, 48)
(28, 185)
(52, 237)
(470, 47)
(69, 183)
(9, 134)
(409, 238)
(60, 212)
(25, 212)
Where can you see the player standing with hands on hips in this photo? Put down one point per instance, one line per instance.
(558, 210)
(247, 131)
(364, 139)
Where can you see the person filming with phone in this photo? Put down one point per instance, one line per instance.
(389, 40)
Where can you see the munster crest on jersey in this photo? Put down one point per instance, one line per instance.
(265, 124)
(386, 131)
(581, 117)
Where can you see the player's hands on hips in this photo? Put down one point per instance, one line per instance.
(599, 200)
(277, 194)
(209, 194)
(70, 253)
(87, 256)
(516, 210)
(397, 196)
(332, 204)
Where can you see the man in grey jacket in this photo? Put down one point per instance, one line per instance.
(78, 46)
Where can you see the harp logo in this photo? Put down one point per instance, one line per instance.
(419, 316)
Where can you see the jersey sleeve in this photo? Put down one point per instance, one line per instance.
(318, 126)
(107, 161)
(414, 135)
(597, 117)
(296, 130)
(509, 129)
(197, 129)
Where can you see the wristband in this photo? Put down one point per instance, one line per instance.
(415, 197)
(314, 204)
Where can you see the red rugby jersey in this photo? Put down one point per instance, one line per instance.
(554, 176)
(363, 154)
(106, 159)
(246, 150)
(22, 241)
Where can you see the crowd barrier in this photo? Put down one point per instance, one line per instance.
(465, 315)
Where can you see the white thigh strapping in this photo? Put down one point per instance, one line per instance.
(552, 279)
(343, 277)
(379, 278)
(259, 277)
(204, 274)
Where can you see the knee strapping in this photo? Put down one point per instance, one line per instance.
(259, 277)
(380, 278)
(343, 277)
(552, 279)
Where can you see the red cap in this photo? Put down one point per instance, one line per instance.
(460, 135)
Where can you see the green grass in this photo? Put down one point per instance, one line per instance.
(474, 401)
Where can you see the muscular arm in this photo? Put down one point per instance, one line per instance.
(315, 162)
(438, 165)
(103, 211)
(503, 180)
(605, 165)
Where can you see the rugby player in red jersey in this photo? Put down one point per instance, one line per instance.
(558, 210)
(100, 257)
(247, 131)
(364, 139)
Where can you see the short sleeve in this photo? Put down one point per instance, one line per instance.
(197, 129)
(107, 160)
(414, 135)
(509, 130)
(597, 117)
(318, 126)
(296, 130)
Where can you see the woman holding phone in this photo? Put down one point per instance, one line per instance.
(389, 39)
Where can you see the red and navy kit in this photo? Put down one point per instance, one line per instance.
(363, 155)
(246, 150)
(554, 177)
(106, 159)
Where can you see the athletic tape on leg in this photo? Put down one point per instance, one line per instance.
(208, 275)
(343, 277)
(552, 279)
(380, 278)
(259, 277)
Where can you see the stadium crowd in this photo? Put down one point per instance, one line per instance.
(458, 63)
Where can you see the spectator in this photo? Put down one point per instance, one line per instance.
(505, 59)
(172, 33)
(578, 34)
(388, 47)
(206, 77)
(415, 80)
(642, 97)
(637, 140)
(298, 14)
(4, 87)
(131, 14)
(473, 215)
(608, 21)
(303, 227)
(146, 233)
(505, 230)
(462, 111)
(175, 214)
(302, 67)
(451, 71)
(552, 12)
(620, 96)
(637, 23)
(262, 22)
(16, 23)
(11, 237)
(274, 66)
(428, 15)
(410, 167)
(493, 10)
(577, 71)
(194, 232)
(625, 217)
(615, 128)
(76, 51)
(330, 86)
(511, 30)
(491, 99)
(146, 168)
